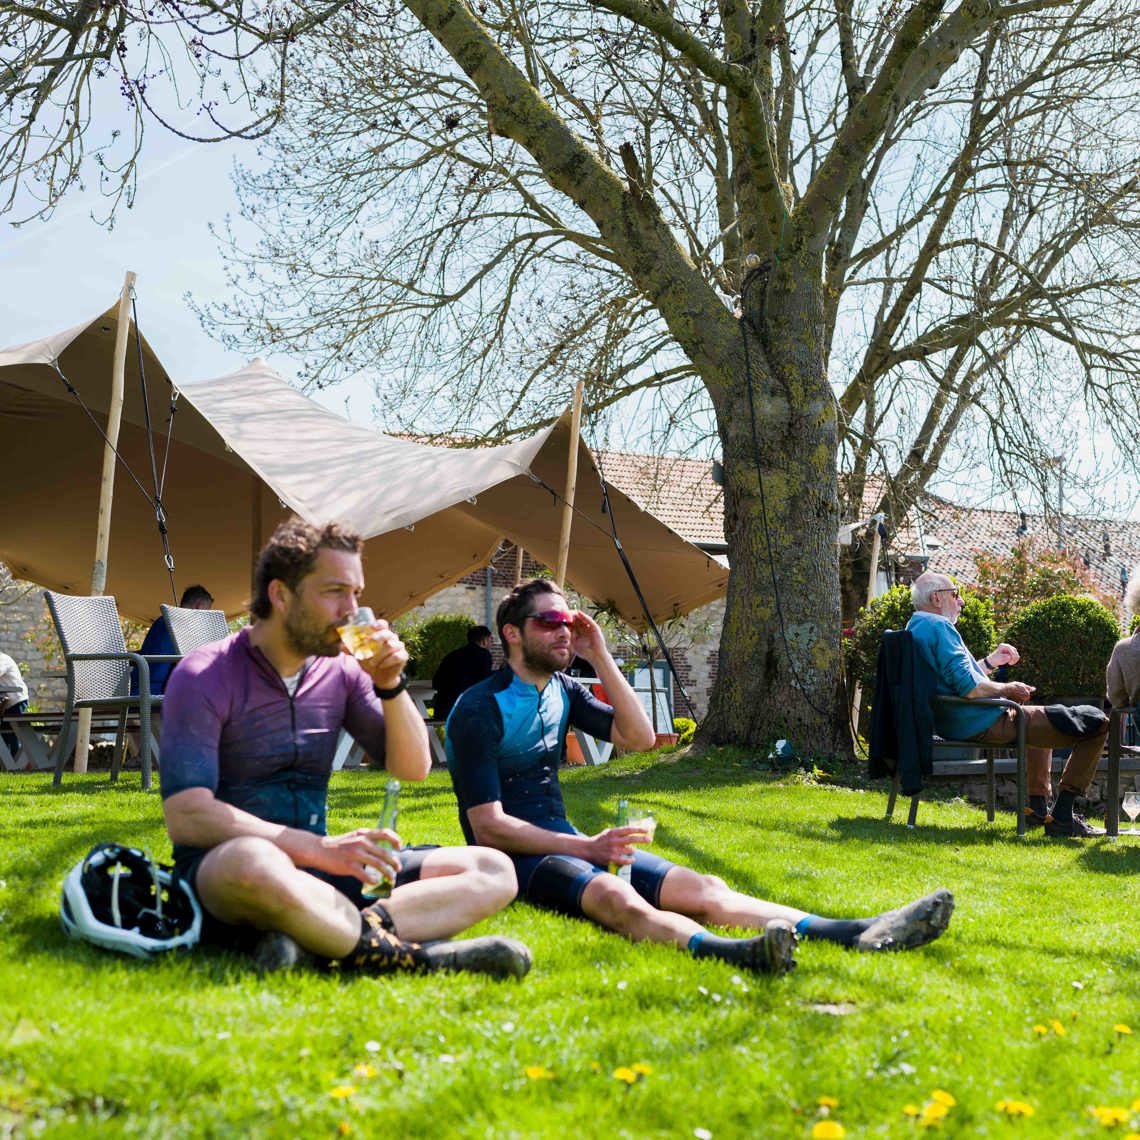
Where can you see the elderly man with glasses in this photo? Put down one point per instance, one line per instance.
(505, 739)
(937, 606)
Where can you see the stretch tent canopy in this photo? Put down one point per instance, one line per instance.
(246, 449)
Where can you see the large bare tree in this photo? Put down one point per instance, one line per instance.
(853, 233)
(80, 78)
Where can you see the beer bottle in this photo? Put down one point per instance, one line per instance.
(622, 870)
(388, 813)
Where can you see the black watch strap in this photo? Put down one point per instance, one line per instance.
(395, 691)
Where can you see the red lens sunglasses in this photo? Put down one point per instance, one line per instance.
(552, 619)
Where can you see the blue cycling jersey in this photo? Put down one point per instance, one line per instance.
(506, 738)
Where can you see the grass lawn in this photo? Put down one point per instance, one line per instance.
(1023, 1001)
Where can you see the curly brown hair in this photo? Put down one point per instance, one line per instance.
(290, 553)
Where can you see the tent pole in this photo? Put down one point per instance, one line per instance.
(571, 486)
(107, 489)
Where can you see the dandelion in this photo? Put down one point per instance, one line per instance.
(1134, 1106)
(1041, 1030)
(1121, 1028)
(911, 1110)
(624, 1073)
(828, 1102)
(1015, 1108)
(641, 1068)
(940, 1096)
(828, 1130)
(342, 1092)
(538, 1073)
(364, 1071)
(1058, 1028)
(933, 1114)
(1109, 1116)
(344, 1128)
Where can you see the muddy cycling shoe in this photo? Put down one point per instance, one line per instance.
(499, 957)
(275, 951)
(775, 949)
(906, 927)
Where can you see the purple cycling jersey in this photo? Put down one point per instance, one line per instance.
(230, 725)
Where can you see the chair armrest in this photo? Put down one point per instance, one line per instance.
(984, 702)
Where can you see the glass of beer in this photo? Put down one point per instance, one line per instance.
(357, 634)
(643, 819)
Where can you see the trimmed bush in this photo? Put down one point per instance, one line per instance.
(436, 638)
(685, 729)
(893, 610)
(1064, 644)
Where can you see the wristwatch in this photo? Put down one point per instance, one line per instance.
(394, 691)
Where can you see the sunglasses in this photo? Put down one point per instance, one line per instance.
(948, 590)
(551, 619)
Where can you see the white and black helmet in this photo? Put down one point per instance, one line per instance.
(121, 899)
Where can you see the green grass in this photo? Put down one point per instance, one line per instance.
(92, 1044)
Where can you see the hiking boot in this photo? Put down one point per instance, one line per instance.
(1075, 828)
(275, 951)
(499, 957)
(915, 924)
(774, 951)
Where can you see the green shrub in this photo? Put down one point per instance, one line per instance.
(893, 610)
(435, 639)
(684, 728)
(1064, 644)
(1134, 624)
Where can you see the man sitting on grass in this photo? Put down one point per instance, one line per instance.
(505, 739)
(250, 729)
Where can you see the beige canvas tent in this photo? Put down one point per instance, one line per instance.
(246, 449)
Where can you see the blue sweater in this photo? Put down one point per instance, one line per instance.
(940, 645)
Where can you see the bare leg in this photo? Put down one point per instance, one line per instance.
(250, 880)
(458, 887)
(712, 902)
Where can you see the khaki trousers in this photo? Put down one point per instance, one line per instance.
(1042, 738)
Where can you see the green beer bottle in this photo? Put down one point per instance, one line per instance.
(388, 813)
(622, 870)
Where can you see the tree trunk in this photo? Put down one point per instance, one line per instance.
(779, 672)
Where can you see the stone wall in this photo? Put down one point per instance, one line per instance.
(22, 610)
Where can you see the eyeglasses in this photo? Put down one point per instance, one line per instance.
(947, 590)
(551, 619)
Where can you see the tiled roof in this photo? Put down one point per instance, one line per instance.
(680, 492)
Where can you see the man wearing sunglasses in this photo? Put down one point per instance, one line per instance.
(505, 739)
(937, 606)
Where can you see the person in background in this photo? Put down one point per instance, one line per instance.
(460, 669)
(158, 642)
(1122, 676)
(13, 697)
(937, 606)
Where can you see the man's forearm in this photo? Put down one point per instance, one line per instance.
(517, 837)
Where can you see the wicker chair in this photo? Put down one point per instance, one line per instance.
(99, 675)
(190, 628)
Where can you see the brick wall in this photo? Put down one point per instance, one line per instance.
(22, 610)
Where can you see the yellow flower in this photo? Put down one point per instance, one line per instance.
(828, 1130)
(344, 1128)
(538, 1073)
(1134, 1106)
(364, 1071)
(1058, 1028)
(911, 1110)
(1121, 1028)
(641, 1068)
(828, 1102)
(1109, 1115)
(623, 1073)
(1015, 1108)
(943, 1097)
(342, 1092)
(1040, 1030)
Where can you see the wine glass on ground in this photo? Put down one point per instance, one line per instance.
(1131, 806)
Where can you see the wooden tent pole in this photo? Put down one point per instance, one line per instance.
(571, 487)
(107, 489)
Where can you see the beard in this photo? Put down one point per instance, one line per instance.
(540, 658)
(308, 637)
